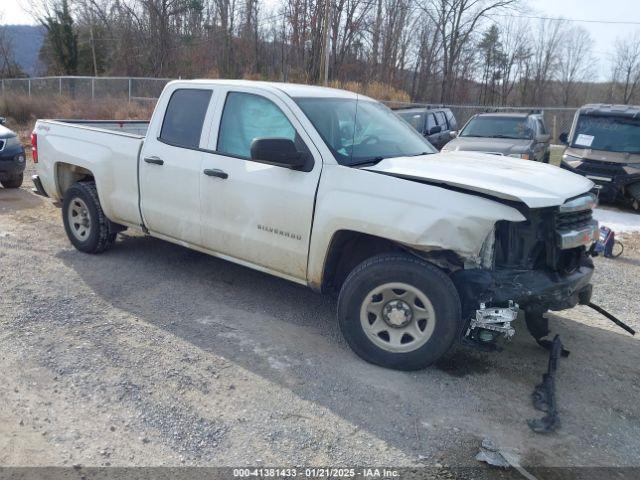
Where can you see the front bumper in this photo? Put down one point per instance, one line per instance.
(539, 289)
(12, 162)
(611, 179)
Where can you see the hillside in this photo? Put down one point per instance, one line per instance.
(26, 41)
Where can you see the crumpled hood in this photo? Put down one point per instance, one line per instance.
(535, 184)
(504, 146)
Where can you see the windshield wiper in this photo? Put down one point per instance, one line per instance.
(507, 136)
(417, 154)
(370, 161)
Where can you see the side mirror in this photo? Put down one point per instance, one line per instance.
(281, 152)
(544, 138)
(453, 134)
(436, 129)
(564, 138)
(3, 120)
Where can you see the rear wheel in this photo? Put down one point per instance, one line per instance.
(399, 312)
(13, 182)
(84, 221)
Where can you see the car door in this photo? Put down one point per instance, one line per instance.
(542, 149)
(170, 168)
(434, 139)
(252, 211)
(443, 136)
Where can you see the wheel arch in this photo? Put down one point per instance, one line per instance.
(66, 174)
(348, 248)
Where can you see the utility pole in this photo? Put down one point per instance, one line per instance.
(93, 49)
(324, 61)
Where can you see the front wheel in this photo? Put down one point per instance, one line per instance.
(398, 311)
(13, 182)
(84, 221)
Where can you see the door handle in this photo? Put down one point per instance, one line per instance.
(154, 160)
(214, 172)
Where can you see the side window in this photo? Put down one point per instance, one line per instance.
(431, 121)
(246, 117)
(441, 119)
(453, 124)
(541, 129)
(184, 117)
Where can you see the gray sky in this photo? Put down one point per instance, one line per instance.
(603, 34)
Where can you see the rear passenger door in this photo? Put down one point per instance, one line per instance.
(170, 167)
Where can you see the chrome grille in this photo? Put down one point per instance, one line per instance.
(565, 221)
(574, 223)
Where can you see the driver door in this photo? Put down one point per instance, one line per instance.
(252, 211)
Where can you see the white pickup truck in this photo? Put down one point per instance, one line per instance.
(332, 190)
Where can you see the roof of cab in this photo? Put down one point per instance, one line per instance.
(611, 109)
(507, 114)
(291, 89)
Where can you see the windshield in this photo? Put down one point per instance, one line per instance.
(362, 131)
(609, 133)
(497, 127)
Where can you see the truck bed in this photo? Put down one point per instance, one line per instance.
(108, 149)
(133, 127)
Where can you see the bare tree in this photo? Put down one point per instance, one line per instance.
(515, 38)
(626, 70)
(543, 64)
(457, 21)
(575, 62)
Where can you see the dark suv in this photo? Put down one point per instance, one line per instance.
(435, 123)
(12, 158)
(604, 146)
(520, 135)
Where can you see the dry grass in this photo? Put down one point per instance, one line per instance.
(22, 111)
(377, 90)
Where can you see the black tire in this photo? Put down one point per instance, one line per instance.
(13, 182)
(426, 278)
(99, 237)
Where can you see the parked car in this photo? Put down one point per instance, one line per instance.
(435, 123)
(332, 190)
(604, 146)
(12, 158)
(519, 135)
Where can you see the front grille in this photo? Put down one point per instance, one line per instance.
(573, 220)
(601, 168)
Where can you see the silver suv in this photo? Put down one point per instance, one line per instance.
(520, 135)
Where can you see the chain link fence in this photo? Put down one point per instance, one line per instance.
(86, 88)
(143, 89)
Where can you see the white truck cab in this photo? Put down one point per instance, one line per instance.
(332, 190)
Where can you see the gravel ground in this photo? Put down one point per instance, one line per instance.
(152, 354)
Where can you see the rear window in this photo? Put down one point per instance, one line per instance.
(415, 119)
(184, 118)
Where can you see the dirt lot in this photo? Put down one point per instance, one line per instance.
(152, 354)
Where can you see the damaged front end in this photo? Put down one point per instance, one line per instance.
(536, 265)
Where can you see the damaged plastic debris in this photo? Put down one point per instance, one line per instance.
(544, 395)
(618, 322)
(490, 454)
(491, 323)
